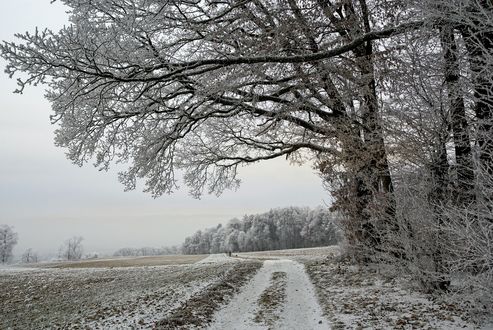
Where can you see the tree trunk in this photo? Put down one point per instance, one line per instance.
(459, 124)
(373, 136)
(478, 38)
(438, 194)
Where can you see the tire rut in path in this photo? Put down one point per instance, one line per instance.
(272, 300)
(299, 311)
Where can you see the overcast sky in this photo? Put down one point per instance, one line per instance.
(47, 199)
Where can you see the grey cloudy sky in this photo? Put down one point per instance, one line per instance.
(47, 199)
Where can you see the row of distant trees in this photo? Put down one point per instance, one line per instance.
(71, 249)
(8, 239)
(146, 251)
(284, 228)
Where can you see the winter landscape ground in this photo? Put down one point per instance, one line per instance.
(290, 289)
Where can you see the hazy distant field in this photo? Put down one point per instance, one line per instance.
(128, 262)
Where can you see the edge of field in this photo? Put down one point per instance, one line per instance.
(125, 262)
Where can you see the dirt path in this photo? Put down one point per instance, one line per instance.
(280, 296)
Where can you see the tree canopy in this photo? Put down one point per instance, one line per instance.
(201, 86)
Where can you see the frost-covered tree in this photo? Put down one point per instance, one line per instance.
(391, 100)
(145, 251)
(29, 256)
(72, 249)
(8, 239)
(217, 239)
(320, 228)
(437, 105)
(285, 228)
(205, 87)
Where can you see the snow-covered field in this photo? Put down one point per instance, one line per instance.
(100, 297)
(290, 289)
(127, 261)
(294, 254)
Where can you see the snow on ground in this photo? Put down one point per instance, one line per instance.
(304, 254)
(272, 300)
(133, 297)
(130, 261)
(359, 298)
(198, 311)
(216, 258)
(299, 311)
(279, 296)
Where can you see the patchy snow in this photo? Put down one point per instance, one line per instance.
(272, 300)
(279, 296)
(198, 311)
(132, 297)
(216, 258)
(304, 254)
(16, 269)
(360, 298)
(300, 310)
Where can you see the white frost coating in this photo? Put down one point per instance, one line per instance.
(214, 258)
(300, 311)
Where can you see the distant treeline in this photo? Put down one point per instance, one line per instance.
(146, 251)
(285, 228)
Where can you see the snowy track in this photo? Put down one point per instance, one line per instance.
(216, 258)
(300, 309)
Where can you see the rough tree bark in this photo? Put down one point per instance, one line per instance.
(478, 38)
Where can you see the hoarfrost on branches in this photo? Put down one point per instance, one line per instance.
(197, 86)
(71, 249)
(8, 239)
(391, 100)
